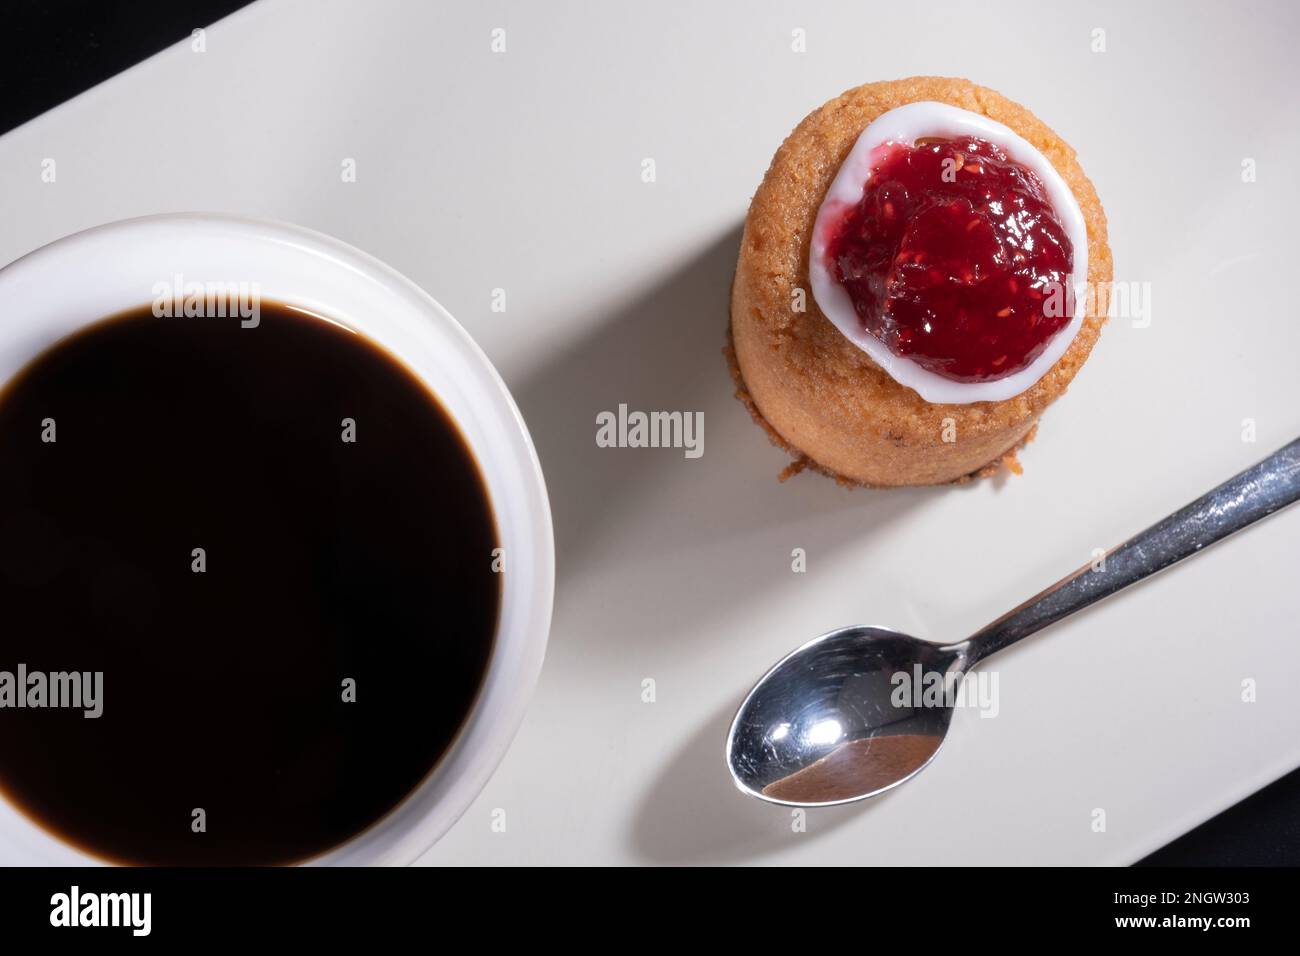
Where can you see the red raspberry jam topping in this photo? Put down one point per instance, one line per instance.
(954, 271)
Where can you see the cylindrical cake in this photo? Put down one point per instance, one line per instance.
(819, 395)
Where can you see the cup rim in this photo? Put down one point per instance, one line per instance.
(488, 409)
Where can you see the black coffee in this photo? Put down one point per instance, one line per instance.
(274, 545)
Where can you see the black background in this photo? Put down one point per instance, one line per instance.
(51, 50)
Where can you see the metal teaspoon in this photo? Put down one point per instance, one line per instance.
(822, 727)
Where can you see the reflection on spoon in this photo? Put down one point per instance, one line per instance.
(873, 762)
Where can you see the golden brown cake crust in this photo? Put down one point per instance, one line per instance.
(814, 389)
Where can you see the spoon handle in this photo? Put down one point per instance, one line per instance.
(1255, 493)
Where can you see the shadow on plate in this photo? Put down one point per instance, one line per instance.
(694, 814)
(662, 351)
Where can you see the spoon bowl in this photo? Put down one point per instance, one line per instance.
(840, 719)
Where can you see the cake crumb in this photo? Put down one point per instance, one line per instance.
(792, 469)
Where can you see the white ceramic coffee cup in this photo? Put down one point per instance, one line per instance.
(75, 281)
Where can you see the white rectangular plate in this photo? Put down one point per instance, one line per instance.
(522, 171)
